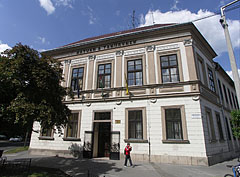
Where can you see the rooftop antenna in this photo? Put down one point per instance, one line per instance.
(153, 19)
(133, 20)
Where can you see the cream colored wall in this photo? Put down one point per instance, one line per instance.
(196, 148)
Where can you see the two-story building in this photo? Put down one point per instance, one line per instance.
(156, 87)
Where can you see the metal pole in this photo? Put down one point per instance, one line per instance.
(230, 51)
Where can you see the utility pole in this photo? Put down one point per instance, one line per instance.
(230, 50)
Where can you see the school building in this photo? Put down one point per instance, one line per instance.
(156, 87)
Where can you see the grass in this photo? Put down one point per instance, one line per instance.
(15, 150)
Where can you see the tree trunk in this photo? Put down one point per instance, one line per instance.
(26, 137)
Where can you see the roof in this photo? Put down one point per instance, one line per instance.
(131, 32)
(117, 34)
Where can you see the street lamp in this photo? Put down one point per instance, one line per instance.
(230, 50)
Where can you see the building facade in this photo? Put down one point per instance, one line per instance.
(156, 87)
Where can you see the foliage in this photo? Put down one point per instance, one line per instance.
(30, 89)
(236, 123)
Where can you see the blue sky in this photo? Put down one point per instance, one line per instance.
(47, 24)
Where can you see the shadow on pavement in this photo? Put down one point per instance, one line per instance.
(78, 167)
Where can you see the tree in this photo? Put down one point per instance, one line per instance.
(30, 89)
(236, 123)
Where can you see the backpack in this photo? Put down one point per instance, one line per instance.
(124, 151)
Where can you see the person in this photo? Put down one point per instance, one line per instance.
(127, 150)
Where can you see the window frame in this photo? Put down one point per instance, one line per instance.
(220, 126)
(42, 137)
(169, 68)
(144, 125)
(225, 94)
(210, 125)
(184, 139)
(220, 90)
(103, 75)
(67, 138)
(211, 80)
(77, 78)
(135, 71)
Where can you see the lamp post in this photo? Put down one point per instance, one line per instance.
(230, 50)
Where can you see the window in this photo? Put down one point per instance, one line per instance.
(174, 128)
(173, 123)
(211, 80)
(77, 79)
(220, 89)
(228, 130)
(211, 131)
(169, 68)
(230, 98)
(220, 130)
(47, 132)
(104, 76)
(135, 124)
(135, 72)
(73, 126)
(225, 93)
(234, 101)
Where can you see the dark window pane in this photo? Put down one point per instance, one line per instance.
(135, 72)
(173, 123)
(135, 124)
(104, 76)
(169, 68)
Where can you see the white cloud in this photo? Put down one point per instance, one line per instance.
(92, 19)
(47, 5)
(3, 47)
(174, 7)
(210, 28)
(230, 73)
(67, 3)
(42, 40)
(50, 5)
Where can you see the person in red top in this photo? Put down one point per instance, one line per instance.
(127, 150)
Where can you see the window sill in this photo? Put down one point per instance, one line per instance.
(135, 141)
(71, 139)
(176, 141)
(46, 138)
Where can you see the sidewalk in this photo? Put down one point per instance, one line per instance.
(115, 168)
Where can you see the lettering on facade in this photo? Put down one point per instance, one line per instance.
(108, 46)
(196, 116)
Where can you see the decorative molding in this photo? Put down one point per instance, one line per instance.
(105, 56)
(92, 57)
(134, 52)
(67, 61)
(79, 61)
(188, 42)
(167, 47)
(153, 100)
(150, 48)
(119, 53)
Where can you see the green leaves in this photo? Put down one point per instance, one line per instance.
(30, 89)
(236, 123)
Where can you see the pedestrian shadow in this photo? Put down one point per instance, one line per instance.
(78, 167)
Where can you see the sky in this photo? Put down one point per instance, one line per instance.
(47, 24)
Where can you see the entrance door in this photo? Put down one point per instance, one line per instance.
(104, 139)
(101, 134)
